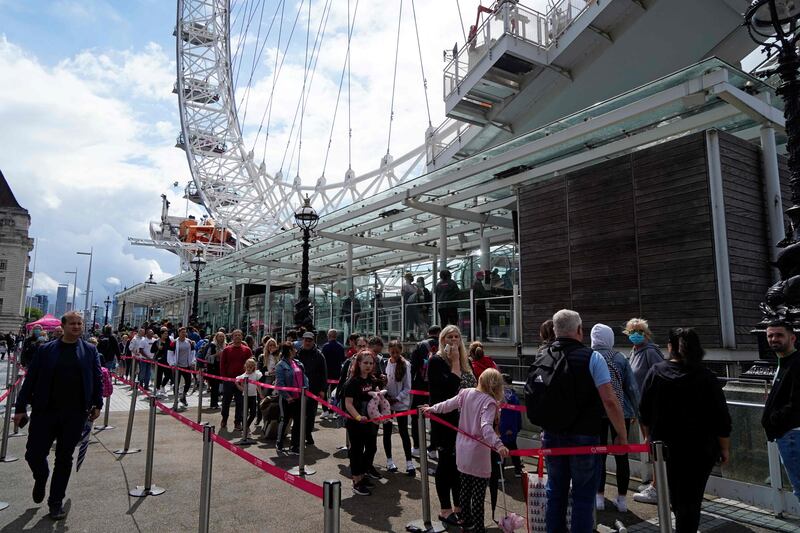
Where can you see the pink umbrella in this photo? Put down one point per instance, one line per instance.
(48, 323)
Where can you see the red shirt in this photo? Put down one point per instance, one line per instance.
(350, 353)
(479, 365)
(232, 359)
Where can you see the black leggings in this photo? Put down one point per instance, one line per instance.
(402, 428)
(252, 409)
(623, 465)
(187, 380)
(163, 375)
(448, 479)
(363, 445)
(687, 473)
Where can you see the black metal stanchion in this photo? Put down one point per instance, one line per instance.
(200, 383)
(148, 489)
(4, 457)
(426, 524)
(331, 502)
(301, 469)
(131, 413)
(205, 480)
(664, 514)
(8, 371)
(246, 440)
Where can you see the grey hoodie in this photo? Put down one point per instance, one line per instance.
(603, 343)
(643, 359)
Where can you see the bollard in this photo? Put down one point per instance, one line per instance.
(175, 388)
(205, 479)
(134, 395)
(426, 524)
(301, 469)
(200, 397)
(331, 502)
(105, 425)
(245, 440)
(4, 457)
(149, 489)
(664, 515)
(8, 371)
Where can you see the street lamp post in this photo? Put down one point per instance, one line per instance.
(95, 307)
(306, 219)
(773, 24)
(197, 263)
(150, 281)
(90, 253)
(107, 302)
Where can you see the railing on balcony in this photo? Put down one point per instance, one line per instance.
(518, 21)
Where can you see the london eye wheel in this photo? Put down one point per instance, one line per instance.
(254, 155)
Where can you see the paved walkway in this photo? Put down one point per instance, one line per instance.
(246, 499)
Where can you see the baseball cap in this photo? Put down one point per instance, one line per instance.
(308, 335)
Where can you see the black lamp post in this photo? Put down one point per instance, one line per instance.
(773, 24)
(122, 317)
(150, 281)
(95, 307)
(197, 263)
(107, 302)
(306, 219)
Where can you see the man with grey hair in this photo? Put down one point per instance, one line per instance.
(333, 352)
(579, 425)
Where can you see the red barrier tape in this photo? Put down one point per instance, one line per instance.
(12, 387)
(179, 417)
(347, 415)
(333, 382)
(416, 392)
(510, 407)
(269, 468)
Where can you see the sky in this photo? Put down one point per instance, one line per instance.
(89, 119)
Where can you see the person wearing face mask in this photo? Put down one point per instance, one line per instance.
(644, 355)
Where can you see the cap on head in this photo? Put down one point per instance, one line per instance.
(308, 335)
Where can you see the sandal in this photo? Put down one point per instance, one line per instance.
(453, 519)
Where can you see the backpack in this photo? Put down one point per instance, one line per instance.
(550, 391)
(108, 387)
(616, 378)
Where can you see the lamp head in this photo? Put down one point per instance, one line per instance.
(306, 217)
(198, 263)
(773, 19)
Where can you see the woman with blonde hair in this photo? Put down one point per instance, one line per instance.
(449, 371)
(479, 407)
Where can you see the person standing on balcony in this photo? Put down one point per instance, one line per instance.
(446, 296)
(479, 293)
(781, 418)
(408, 293)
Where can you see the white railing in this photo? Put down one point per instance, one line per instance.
(516, 20)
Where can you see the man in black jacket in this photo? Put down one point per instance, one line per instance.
(108, 346)
(419, 378)
(317, 373)
(781, 418)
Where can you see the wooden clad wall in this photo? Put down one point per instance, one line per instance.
(628, 237)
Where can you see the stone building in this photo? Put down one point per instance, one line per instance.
(15, 245)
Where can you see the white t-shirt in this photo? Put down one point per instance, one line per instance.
(252, 390)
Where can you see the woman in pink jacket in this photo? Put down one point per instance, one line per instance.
(479, 408)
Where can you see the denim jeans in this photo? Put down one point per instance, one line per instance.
(145, 370)
(582, 471)
(789, 448)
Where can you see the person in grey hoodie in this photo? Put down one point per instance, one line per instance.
(624, 383)
(644, 356)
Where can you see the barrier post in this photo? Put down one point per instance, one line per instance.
(175, 388)
(426, 524)
(13, 397)
(148, 489)
(105, 425)
(664, 514)
(245, 415)
(201, 382)
(8, 371)
(331, 502)
(205, 479)
(4, 457)
(134, 395)
(301, 469)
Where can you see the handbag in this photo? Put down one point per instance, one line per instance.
(533, 488)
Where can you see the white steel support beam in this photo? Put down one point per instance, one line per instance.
(459, 214)
(443, 243)
(293, 266)
(377, 243)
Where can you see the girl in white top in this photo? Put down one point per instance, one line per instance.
(253, 390)
(398, 392)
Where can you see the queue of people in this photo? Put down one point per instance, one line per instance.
(674, 397)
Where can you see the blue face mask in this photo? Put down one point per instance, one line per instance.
(636, 338)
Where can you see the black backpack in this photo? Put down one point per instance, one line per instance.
(550, 391)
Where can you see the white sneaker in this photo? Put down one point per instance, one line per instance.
(415, 452)
(390, 466)
(599, 502)
(410, 468)
(648, 495)
(621, 503)
(433, 455)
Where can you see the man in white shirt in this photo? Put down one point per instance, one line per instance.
(181, 354)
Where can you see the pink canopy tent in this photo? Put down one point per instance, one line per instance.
(48, 323)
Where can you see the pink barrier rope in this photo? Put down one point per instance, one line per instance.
(11, 388)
